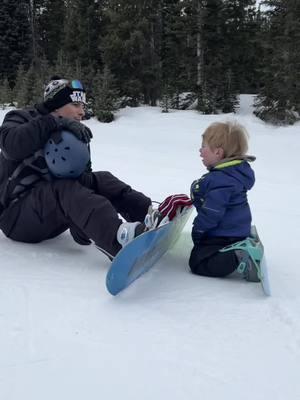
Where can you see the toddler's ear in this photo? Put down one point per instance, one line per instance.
(220, 152)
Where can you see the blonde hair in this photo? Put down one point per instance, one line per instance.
(230, 136)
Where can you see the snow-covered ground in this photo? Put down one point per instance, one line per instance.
(171, 335)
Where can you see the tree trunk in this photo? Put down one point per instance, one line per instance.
(33, 28)
(200, 59)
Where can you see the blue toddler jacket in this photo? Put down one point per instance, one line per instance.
(220, 197)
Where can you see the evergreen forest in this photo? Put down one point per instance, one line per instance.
(173, 53)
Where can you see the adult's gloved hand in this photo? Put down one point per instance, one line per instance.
(78, 129)
(172, 204)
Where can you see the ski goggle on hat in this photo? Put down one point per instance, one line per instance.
(78, 95)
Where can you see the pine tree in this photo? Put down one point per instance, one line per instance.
(240, 53)
(50, 18)
(38, 77)
(173, 63)
(203, 22)
(211, 56)
(83, 22)
(194, 12)
(30, 83)
(105, 95)
(6, 97)
(167, 95)
(279, 98)
(66, 69)
(15, 37)
(130, 49)
(35, 84)
(20, 91)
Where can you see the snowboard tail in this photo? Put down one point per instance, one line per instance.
(138, 256)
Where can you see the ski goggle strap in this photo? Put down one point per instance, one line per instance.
(78, 93)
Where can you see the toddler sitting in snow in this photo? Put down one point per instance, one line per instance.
(220, 197)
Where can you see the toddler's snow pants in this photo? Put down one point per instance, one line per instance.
(207, 260)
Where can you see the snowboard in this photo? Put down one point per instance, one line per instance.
(138, 256)
(265, 282)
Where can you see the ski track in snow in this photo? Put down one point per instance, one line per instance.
(170, 335)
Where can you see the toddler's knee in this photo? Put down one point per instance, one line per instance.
(195, 263)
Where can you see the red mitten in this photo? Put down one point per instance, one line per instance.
(168, 208)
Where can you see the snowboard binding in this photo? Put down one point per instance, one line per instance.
(249, 252)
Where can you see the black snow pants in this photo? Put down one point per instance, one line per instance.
(89, 205)
(207, 260)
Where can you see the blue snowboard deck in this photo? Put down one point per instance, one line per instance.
(142, 253)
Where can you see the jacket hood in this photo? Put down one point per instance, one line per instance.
(41, 108)
(239, 170)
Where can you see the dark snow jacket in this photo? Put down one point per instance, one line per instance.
(23, 135)
(220, 198)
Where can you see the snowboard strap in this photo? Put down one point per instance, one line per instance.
(251, 247)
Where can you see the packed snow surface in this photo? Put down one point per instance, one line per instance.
(170, 335)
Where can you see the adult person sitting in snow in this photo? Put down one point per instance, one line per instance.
(35, 205)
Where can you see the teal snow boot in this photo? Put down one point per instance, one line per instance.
(249, 253)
